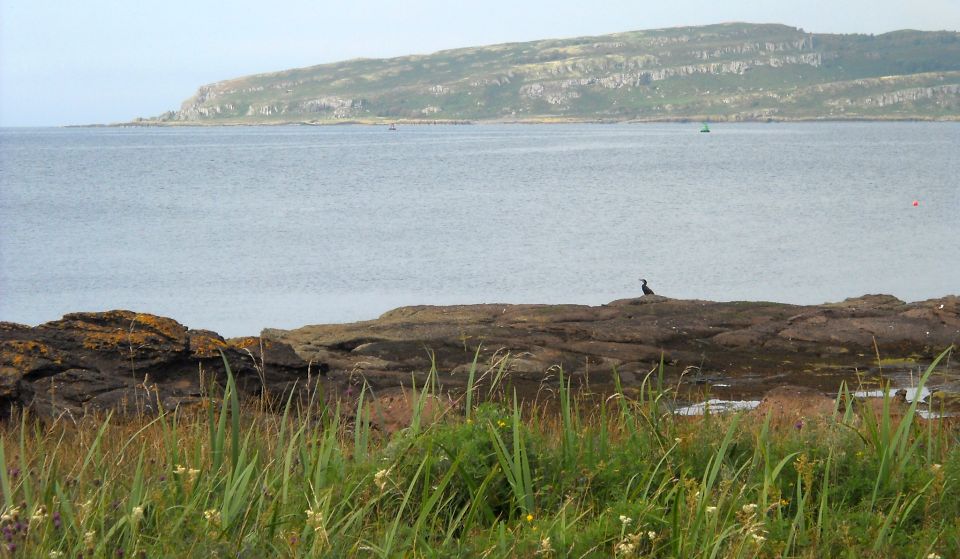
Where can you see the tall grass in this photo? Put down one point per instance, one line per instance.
(580, 477)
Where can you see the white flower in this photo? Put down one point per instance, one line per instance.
(625, 520)
(545, 547)
(380, 478)
(749, 508)
(624, 548)
(934, 555)
(652, 535)
(56, 554)
(10, 514)
(758, 538)
(88, 538)
(38, 516)
(711, 510)
(137, 513)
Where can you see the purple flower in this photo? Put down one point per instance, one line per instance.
(799, 424)
(56, 520)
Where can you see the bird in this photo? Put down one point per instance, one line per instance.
(646, 290)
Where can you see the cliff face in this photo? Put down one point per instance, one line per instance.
(722, 72)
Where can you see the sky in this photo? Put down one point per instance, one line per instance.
(102, 61)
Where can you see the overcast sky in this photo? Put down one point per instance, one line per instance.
(99, 61)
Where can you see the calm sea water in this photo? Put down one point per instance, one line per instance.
(236, 229)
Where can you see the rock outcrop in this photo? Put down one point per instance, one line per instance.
(124, 361)
(129, 362)
(756, 344)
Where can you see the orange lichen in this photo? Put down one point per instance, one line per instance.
(23, 354)
(206, 346)
(166, 326)
(243, 343)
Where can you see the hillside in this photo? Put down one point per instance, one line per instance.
(733, 71)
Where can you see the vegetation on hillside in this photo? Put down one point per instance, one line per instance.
(618, 477)
(734, 71)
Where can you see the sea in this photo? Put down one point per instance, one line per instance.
(235, 229)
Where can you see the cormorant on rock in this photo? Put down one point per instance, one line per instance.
(646, 290)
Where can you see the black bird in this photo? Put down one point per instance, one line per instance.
(646, 290)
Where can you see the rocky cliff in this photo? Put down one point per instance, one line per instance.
(131, 362)
(734, 71)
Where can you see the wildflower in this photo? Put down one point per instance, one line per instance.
(624, 548)
(179, 470)
(57, 520)
(56, 554)
(545, 547)
(137, 513)
(799, 424)
(88, 538)
(380, 478)
(935, 467)
(469, 422)
(529, 518)
(10, 514)
(315, 520)
(501, 423)
(625, 520)
(212, 516)
(678, 440)
(933, 556)
(711, 510)
(652, 535)
(749, 508)
(758, 539)
(38, 516)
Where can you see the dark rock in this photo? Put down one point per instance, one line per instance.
(131, 362)
(121, 360)
(762, 339)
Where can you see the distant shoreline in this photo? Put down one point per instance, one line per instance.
(531, 121)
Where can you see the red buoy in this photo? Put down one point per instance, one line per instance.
(916, 203)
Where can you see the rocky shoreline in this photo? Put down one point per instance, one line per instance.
(129, 362)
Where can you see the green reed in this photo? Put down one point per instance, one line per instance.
(618, 477)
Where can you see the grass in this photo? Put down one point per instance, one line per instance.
(575, 477)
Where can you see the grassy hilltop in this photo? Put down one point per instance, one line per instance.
(732, 71)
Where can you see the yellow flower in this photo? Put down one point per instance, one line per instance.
(212, 516)
(501, 423)
(529, 518)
